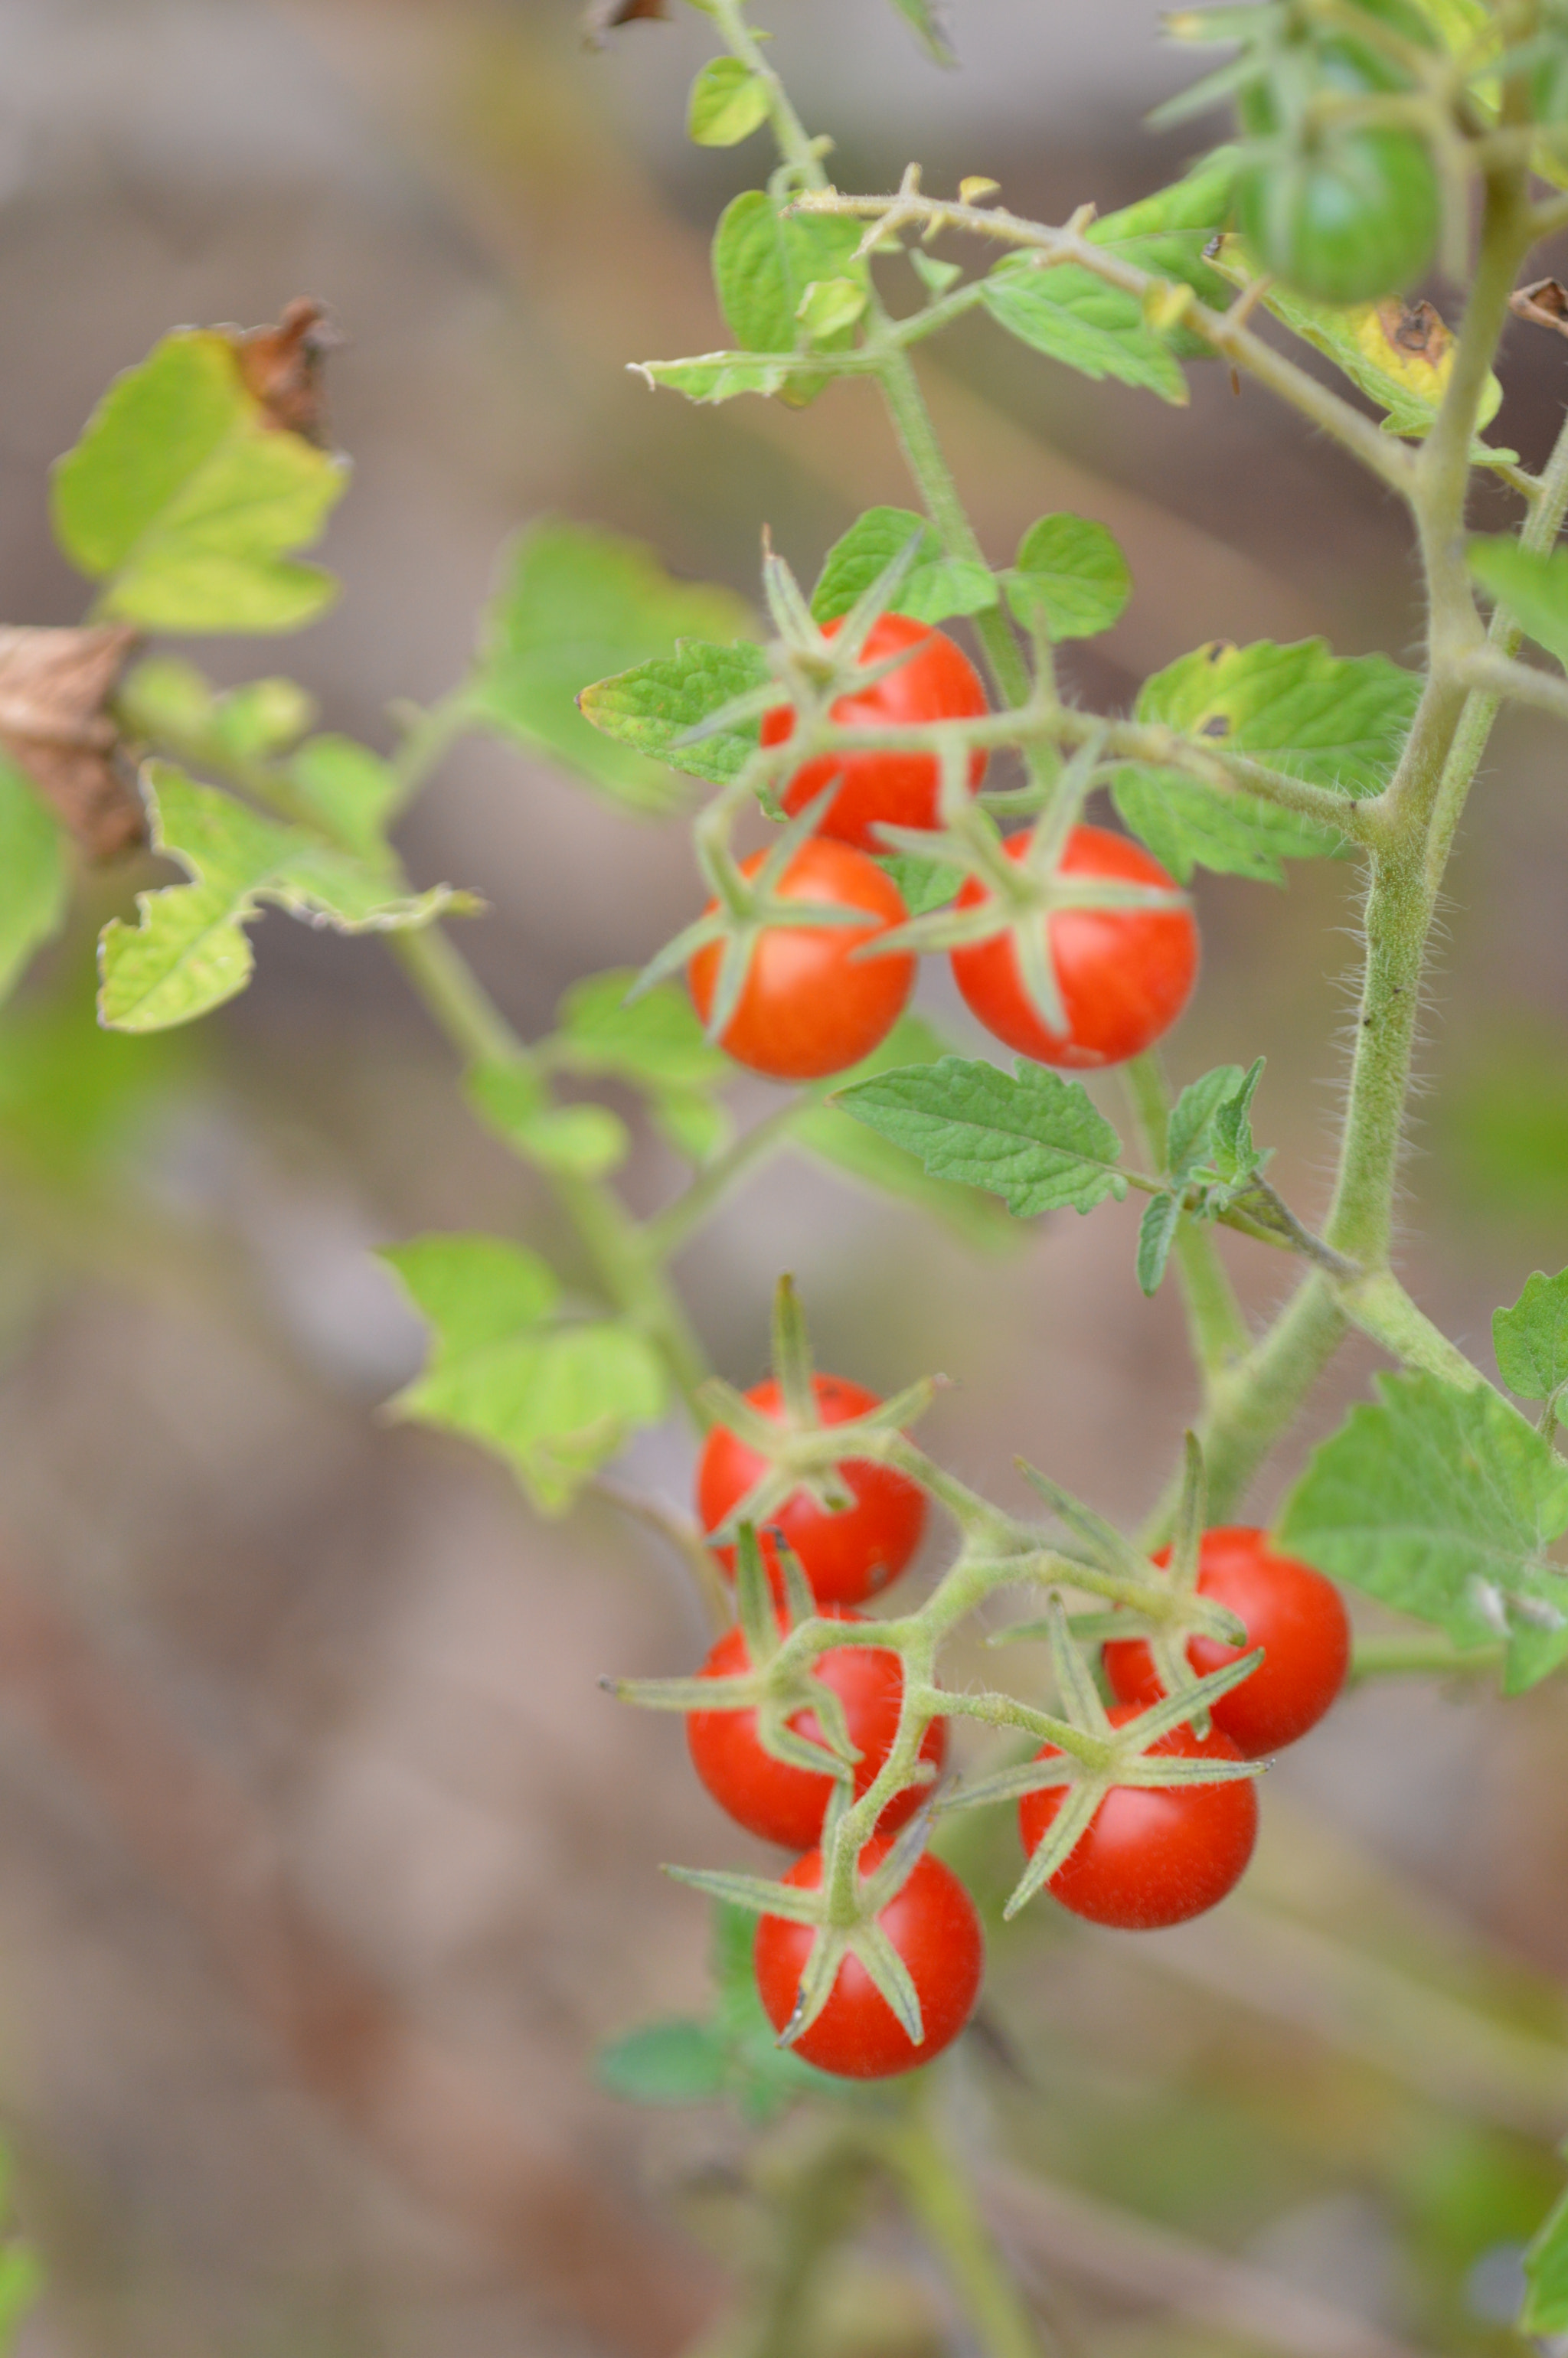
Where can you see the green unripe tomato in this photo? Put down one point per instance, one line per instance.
(1347, 221)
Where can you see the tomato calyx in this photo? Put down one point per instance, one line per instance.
(1092, 1755)
(802, 1453)
(840, 1930)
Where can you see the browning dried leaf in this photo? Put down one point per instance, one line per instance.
(1415, 328)
(54, 686)
(601, 17)
(1545, 304)
(282, 368)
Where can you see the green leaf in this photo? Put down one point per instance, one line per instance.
(576, 605)
(1156, 1234)
(1072, 577)
(655, 1040)
(1189, 1133)
(926, 21)
(852, 1146)
(189, 951)
(763, 2076)
(1532, 1339)
(1336, 722)
(554, 1399)
(354, 793)
(1030, 1137)
(262, 718)
(935, 587)
(586, 1141)
(188, 504)
(1443, 1503)
(923, 884)
(1533, 586)
(1169, 233)
(719, 376)
(1545, 2307)
(652, 705)
(764, 260)
(729, 102)
(35, 881)
(828, 307)
(665, 2062)
(1073, 316)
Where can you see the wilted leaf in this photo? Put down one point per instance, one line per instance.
(54, 687)
(282, 368)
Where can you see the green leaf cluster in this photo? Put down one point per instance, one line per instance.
(574, 606)
(1444, 1503)
(771, 268)
(1333, 721)
(1211, 1162)
(553, 1395)
(188, 504)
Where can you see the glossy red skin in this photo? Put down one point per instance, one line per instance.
(932, 1925)
(773, 1799)
(1125, 974)
(846, 1557)
(1154, 1855)
(937, 683)
(807, 1006)
(1290, 1610)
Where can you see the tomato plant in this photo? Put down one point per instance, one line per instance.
(1125, 974)
(1151, 1855)
(935, 680)
(847, 1555)
(1288, 1609)
(930, 1923)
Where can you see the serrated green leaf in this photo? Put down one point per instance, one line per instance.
(1071, 577)
(188, 950)
(35, 881)
(925, 19)
(554, 1399)
(652, 705)
(1156, 1234)
(935, 587)
(664, 2064)
(1442, 1503)
(1531, 584)
(1531, 1338)
(1030, 1137)
(354, 793)
(1187, 1135)
(586, 1141)
(1545, 2309)
(1336, 722)
(576, 605)
(729, 102)
(1168, 233)
(655, 1040)
(188, 504)
(763, 261)
(1073, 316)
(712, 377)
(860, 1153)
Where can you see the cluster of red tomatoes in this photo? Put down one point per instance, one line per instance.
(1151, 1857)
(810, 1005)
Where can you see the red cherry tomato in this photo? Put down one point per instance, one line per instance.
(1288, 1609)
(1125, 974)
(937, 682)
(1154, 1855)
(846, 1557)
(807, 1006)
(932, 1925)
(773, 1799)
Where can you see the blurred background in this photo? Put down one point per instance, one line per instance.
(325, 1865)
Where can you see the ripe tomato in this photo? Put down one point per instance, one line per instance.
(1352, 217)
(846, 1557)
(772, 1798)
(937, 682)
(1125, 974)
(1154, 1855)
(807, 1006)
(1288, 1609)
(932, 1925)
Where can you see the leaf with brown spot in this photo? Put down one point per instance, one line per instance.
(283, 367)
(54, 686)
(603, 16)
(1544, 303)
